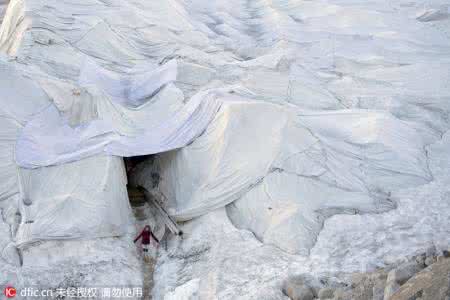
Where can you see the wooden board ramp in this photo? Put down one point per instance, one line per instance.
(139, 195)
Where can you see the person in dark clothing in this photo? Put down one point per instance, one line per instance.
(146, 235)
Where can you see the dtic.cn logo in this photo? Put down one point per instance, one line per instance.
(10, 292)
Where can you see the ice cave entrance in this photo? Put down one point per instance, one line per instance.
(139, 195)
(135, 193)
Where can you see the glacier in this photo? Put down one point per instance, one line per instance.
(328, 155)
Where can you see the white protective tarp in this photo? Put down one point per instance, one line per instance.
(3, 7)
(347, 161)
(83, 199)
(283, 178)
(65, 138)
(131, 89)
(78, 200)
(20, 98)
(236, 151)
(129, 122)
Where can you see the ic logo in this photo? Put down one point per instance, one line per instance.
(10, 292)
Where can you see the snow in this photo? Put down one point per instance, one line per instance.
(97, 263)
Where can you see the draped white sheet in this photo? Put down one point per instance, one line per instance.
(128, 123)
(64, 138)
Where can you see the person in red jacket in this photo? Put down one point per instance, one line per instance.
(146, 235)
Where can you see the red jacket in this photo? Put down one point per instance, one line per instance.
(146, 236)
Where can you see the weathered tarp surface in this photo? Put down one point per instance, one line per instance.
(79, 200)
(83, 199)
(299, 163)
(124, 120)
(62, 142)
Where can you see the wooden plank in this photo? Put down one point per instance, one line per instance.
(155, 200)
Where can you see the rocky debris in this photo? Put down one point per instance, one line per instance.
(303, 287)
(430, 256)
(404, 272)
(430, 260)
(296, 288)
(390, 289)
(399, 276)
(378, 290)
(339, 295)
(364, 286)
(420, 260)
(432, 283)
(326, 293)
(369, 286)
(422, 277)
